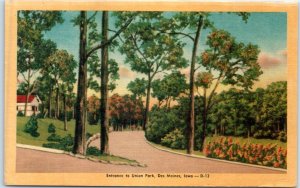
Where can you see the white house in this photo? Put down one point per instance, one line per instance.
(32, 105)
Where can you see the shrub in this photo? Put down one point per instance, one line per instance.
(20, 114)
(93, 151)
(31, 127)
(282, 136)
(54, 138)
(174, 139)
(162, 121)
(259, 154)
(93, 118)
(61, 116)
(51, 128)
(65, 143)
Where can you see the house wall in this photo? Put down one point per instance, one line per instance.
(30, 111)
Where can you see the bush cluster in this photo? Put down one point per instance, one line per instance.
(174, 140)
(268, 155)
(31, 127)
(163, 121)
(93, 151)
(56, 142)
(51, 128)
(54, 138)
(20, 114)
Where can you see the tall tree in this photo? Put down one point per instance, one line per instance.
(189, 25)
(32, 49)
(150, 52)
(225, 62)
(79, 139)
(59, 69)
(104, 86)
(86, 52)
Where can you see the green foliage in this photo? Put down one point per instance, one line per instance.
(93, 151)
(20, 114)
(65, 143)
(161, 123)
(31, 127)
(170, 87)
(138, 87)
(54, 138)
(282, 136)
(174, 140)
(51, 128)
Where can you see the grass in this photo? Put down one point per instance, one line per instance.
(250, 140)
(183, 151)
(109, 158)
(241, 140)
(25, 138)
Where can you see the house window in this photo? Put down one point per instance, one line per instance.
(34, 108)
(17, 108)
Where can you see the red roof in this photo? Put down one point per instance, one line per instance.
(22, 98)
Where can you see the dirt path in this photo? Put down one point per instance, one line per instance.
(131, 145)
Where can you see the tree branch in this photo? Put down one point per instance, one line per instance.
(214, 89)
(179, 33)
(138, 49)
(102, 44)
(90, 18)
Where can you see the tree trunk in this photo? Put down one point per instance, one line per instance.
(27, 92)
(49, 101)
(191, 116)
(146, 116)
(65, 113)
(79, 139)
(104, 86)
(57, 103)
(204, 129)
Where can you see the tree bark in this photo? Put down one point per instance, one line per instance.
(79, 139)
(49, 101)
(27, 92)
(146, 116)
(104, 87)
(65, 113)
(57, 103)
(191, 114)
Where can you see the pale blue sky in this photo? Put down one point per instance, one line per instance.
(267, 30)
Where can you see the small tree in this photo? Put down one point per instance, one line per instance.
(225, 62)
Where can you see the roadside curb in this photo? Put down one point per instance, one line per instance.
(212, 159)
(40, 148)
(93, 159)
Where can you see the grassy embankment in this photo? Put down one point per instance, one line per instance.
(25, 138)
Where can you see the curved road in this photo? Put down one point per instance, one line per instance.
(132, 145)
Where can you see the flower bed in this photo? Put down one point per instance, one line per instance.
(266, 155)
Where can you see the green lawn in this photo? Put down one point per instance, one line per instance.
(250, 140)
(25, 138)
(183, 151)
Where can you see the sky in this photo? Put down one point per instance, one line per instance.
(267, 30)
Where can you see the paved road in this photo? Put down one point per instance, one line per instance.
(131, 145)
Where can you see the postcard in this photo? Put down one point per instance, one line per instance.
(102, 93)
